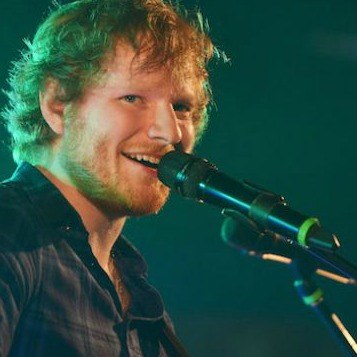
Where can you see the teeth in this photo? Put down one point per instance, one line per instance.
(151, 159)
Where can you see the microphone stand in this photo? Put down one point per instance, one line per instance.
(336, 262)
(303, 266)
(330, 259)
(312, 296)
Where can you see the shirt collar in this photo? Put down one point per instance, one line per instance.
(57, 212)
(45, 196)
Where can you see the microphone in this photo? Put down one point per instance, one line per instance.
(243, 235)
(196, 178)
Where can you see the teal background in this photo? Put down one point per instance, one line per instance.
(285, 119)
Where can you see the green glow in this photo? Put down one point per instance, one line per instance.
(304, 229)
(311, 299)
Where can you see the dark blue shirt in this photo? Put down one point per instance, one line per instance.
(55, 299)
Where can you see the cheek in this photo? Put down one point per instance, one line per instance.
(113, 123)
(188, 136)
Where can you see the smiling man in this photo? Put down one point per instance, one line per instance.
(105, 89)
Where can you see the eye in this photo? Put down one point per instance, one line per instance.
(183, 110)
(181, 107)
(131, 98)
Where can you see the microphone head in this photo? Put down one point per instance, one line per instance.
(183, 172)
(170, 165)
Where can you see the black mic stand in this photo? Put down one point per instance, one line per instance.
(303, 266)
(330, 259)
(334, 261)
(312, 296)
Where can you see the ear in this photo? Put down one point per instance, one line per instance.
(52, 108)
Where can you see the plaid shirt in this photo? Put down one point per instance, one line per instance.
(55, 299)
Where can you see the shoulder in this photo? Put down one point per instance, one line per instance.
(17, 216)
(14, 203)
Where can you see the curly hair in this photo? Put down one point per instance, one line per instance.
(71, 45)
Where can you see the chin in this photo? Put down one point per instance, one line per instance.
(141, 207)
(135, 204)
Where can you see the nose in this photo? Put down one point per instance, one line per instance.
(165, 125)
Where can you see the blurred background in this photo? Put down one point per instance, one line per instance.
(286, 120)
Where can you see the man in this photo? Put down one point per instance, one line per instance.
(105, 89)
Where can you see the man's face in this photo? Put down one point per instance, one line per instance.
(120, 129)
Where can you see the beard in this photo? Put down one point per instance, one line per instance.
(105, 177)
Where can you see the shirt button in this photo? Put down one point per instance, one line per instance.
(66, 229)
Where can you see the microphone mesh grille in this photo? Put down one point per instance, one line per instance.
(170, 165)
(184, 172)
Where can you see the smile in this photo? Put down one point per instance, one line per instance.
(146, 160)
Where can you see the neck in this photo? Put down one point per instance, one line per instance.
(103, 229)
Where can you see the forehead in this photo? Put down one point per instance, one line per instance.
(127, 65)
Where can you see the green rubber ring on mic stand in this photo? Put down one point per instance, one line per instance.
(304, 229)
(312, 299)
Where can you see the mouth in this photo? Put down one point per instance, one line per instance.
(146, 160)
